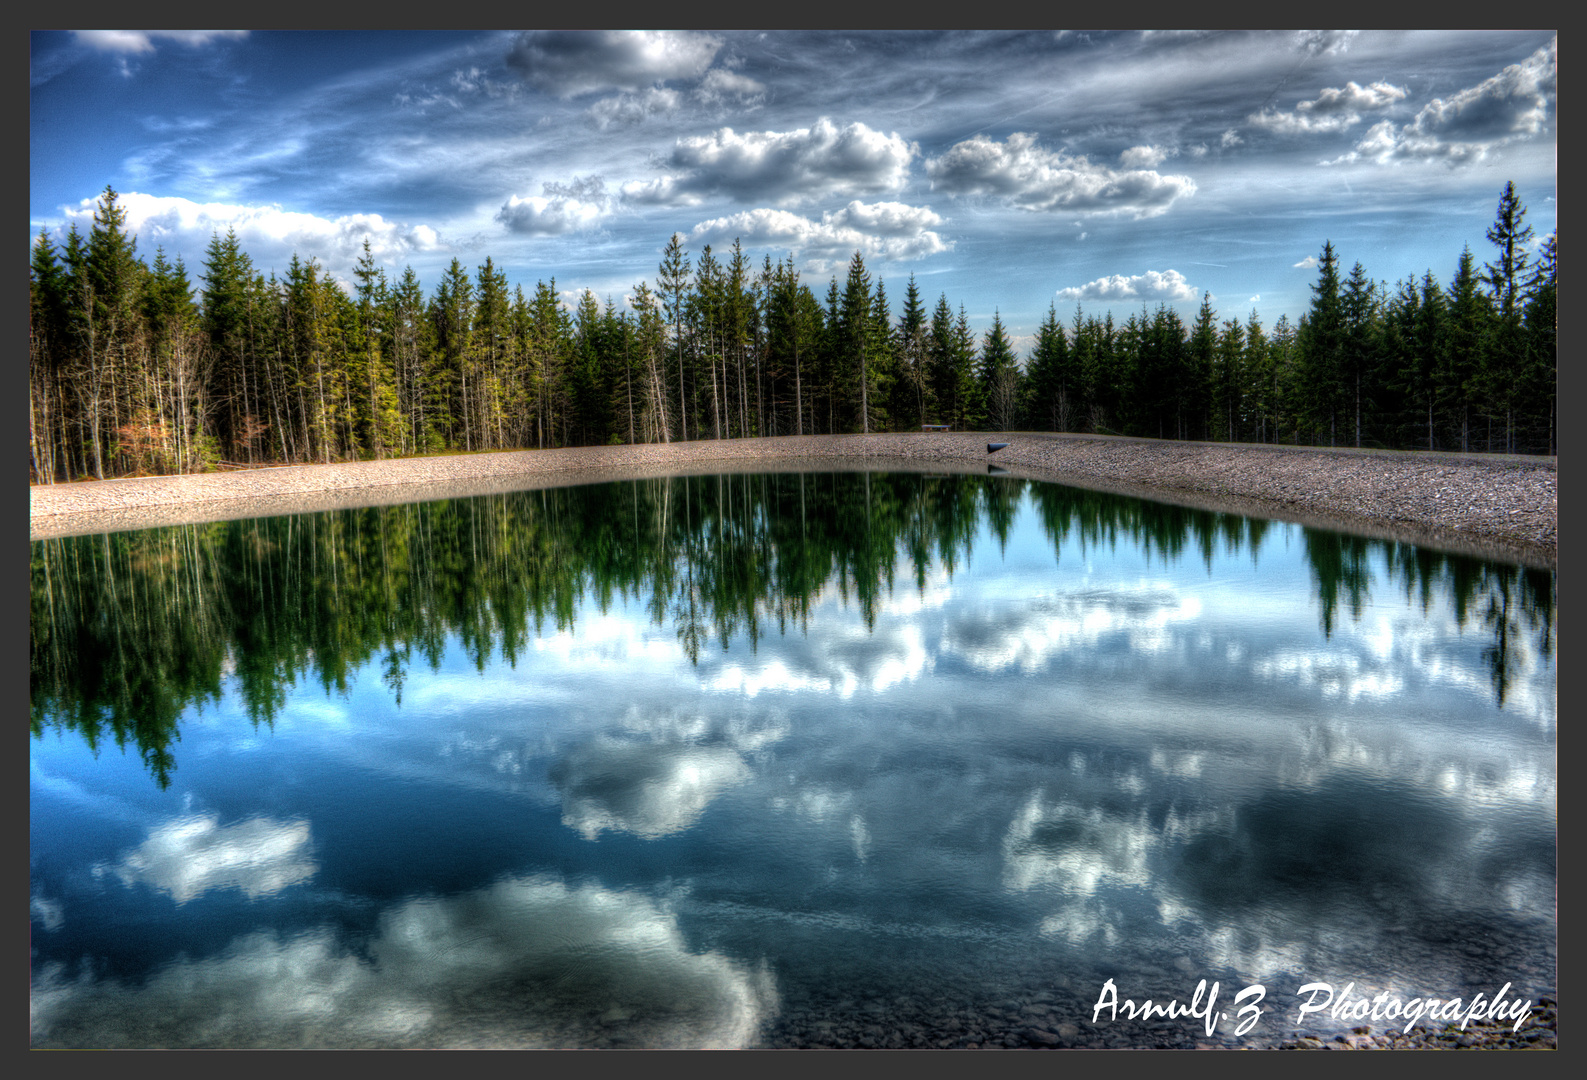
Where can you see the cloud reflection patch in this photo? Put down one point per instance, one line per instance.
(648, 789)
(528, 962)
(190, 856)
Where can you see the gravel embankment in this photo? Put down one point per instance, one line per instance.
(1484, 504)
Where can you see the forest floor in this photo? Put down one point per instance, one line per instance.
(1484, 504)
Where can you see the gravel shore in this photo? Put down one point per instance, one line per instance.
(1495, 505)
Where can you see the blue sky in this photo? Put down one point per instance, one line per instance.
(1009, 171)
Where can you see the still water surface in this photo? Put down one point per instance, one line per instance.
(825, 759)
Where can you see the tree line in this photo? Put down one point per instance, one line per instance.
(134, 368)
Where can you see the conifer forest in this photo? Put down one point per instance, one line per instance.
(143, 366)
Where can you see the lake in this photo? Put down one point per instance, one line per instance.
(823, 759)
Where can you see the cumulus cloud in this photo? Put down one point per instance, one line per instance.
(1511, 106)
(1307, 263)
(1152, 285)
(1032, 178)
(662, 191)
(568, 63)
(1332, 110)
(887, 230)
(560, 208)
(270, 234)
(1230, 138)
(142, 41)
(785, 167)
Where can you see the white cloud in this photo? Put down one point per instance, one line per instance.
(269, 234)
(627, 109)
(1307, 263)
(723, 87)
(1032, 178)
(885, 218)
(1230, 138)
(887, 230)
(663, 191)
(568, 63)
(786, 167)
(536, 215)
(1152, 285)
(475, 81)
(1511, 106)
(142, 41)
(1332, 110)
(560, 208)
(190, 856)
(1144, 157)
(1324, 42)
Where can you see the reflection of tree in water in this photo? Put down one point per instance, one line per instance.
(1510, 602)
(1339, 565)
(129, 630)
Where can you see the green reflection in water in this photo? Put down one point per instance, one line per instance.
(130, 630)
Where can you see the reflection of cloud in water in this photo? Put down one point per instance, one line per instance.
(1369, 873)
(648, 789)
(1334, 674)
(1075, 851)
(1030, 635)
(46, 912)
(524, 963)
(190, 856)
(838, 662)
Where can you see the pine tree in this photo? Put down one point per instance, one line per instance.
(1460, 372)
(1321, 347)
(1282, 366)
(1049, 398)
(910, 386)
(1541, 328)
(672, 281)
(1194, 388)
(998, 378)
(855, 332)
(452, 320)
(1358, 306)
(939, 364)
(972, 406)
(48, 342)
(490, 342)
(1258, 364)
(1504, 354)
(113, 275)
(1230, 378)
(650, 344)
(883, 362)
